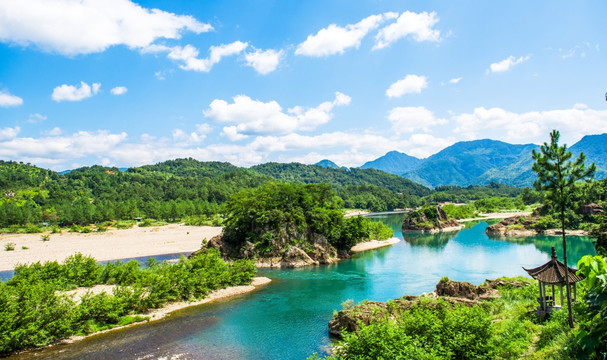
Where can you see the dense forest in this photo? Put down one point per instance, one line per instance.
(190, 190)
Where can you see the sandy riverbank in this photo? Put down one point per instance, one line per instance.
(374, 244)
(157, 314)
(109, 245)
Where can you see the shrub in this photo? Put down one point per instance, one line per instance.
(45, 237)
(9, 246)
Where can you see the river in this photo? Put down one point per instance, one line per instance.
(287, 319)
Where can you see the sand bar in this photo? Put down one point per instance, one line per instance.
(109, 245)
(374, 244)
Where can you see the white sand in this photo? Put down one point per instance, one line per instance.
(374, 244)
(109, 245)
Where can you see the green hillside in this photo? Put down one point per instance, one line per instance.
(394, 162)
(472, 162)
(296, 172)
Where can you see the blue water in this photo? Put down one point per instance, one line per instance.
(288, 318)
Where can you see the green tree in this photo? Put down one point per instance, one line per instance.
(556, 176)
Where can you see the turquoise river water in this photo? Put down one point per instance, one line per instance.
(287, 319)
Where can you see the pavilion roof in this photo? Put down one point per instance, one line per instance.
(553, 272)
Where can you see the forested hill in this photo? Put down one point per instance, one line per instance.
(296, 172)
(189, 168)
(175, 190)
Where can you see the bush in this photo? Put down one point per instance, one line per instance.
(9, 246)
(45, 237)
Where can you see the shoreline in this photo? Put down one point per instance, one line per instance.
(106, 246)
(163, 312)
(491, 216)
(374, 244)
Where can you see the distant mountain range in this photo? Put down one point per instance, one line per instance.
(481, 162)
(330, 164)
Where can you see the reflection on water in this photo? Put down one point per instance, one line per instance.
(432, 241)
(287, 319)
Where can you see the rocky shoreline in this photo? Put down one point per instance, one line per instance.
(522, 226)
(454, 292)
(430, 220)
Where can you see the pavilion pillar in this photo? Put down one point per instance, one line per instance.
(574, 291)
(561, 286)
(543, 295)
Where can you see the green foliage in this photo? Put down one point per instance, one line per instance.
(34, 312)
(459, 194)
(460, 212)
(431, 329)
(591, 338)
(278, 215)
(45, 237)
(10, 246)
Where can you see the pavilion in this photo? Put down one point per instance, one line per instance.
(553, 273)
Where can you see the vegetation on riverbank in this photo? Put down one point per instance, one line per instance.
(35, 309)
(441, 328)
(277, 219)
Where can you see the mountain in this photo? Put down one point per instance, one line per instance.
(310, 174)
(595, 149)
(394, 162)
(476, 162)
(330, 164)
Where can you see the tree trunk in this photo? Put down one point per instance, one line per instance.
(566, 269)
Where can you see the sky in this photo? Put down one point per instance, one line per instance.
(126, 83)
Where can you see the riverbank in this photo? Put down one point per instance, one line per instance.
(110, 245)
(500, 215)
(374, 244)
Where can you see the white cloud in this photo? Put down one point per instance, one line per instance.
(335, 39)
(506, 64)
(411, 84)
(72, 93)
(533, 126)
(56, 131)
(409, 119)
(195, 137)
(7, 99)
(88, 26)
(264, 62)
(455, 80)
(417, 25)
(119, 90)
(9, 133)
(35, 118)
(253, 117)
(189, 55)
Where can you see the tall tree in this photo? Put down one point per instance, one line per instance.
(556, 176)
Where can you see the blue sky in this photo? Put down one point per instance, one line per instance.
(124, 83)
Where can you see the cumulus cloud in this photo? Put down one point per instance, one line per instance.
(188, 55)
(531, 127)
(9, 133)
(246, 116)
(419, 26)
(119, 90)
(506, 64)
(183, 138)
(409, 119)
(264, 62)
(71, 27)
(411, 84)
(7, 99)
(73, 93)
(336, 39)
